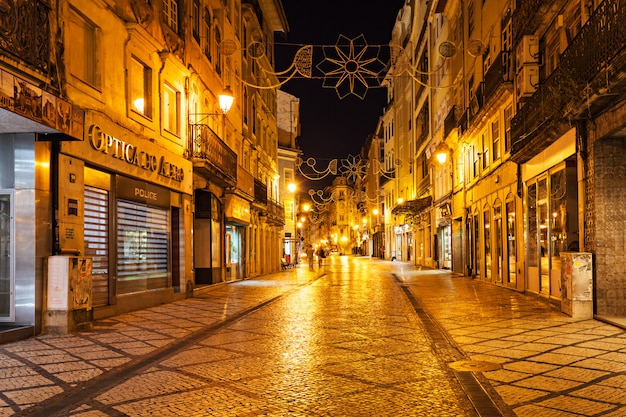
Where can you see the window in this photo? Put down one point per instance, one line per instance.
(142, 247)
(195, 20)
(495, 139)
(508, 115)
(83, 49)
(470, 17)
(170, 14)
(218, 55)
(206, 30)
(475, 158)
(485, 152)
(140, 88)
(171, 109)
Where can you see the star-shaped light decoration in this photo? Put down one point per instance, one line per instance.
(351, 66)
(352, 168)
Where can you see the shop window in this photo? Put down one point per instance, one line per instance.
(142, 247)
(531, 203)
(171, 109)
(140, 87)
(83, 49)
(487, 242)
(476, 244)
(7, 249)
(497, 239)
(511, 243)
(96, 221)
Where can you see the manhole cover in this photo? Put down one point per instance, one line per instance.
(474, 366)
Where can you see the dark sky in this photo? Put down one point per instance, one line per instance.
(333, 128)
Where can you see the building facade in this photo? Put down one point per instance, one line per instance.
(515, 138)
(125, 181)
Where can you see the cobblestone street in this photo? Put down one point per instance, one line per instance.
(359, 337)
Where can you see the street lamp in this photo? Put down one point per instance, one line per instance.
(226, 98)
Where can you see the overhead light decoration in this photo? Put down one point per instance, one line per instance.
(351, 66)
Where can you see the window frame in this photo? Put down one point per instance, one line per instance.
(167, 115)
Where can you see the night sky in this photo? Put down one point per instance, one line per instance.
(333, 128)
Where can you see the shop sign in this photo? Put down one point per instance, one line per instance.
(237, 208)
(133, 155)
(28, 100)
(142, 192)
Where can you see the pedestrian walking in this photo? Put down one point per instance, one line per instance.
(321, 254)
(309, 256)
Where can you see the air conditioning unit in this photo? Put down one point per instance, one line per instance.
(527, 52)
(527, 80)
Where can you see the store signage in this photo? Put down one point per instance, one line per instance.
(133, 155)
(30, 101)
(143, 192)
(237, 209)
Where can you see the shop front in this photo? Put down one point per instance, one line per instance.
(551, 212)
(443, 244)
(237, 215)
(32, 121)
(125, 203)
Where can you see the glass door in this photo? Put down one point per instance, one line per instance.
(7, 245)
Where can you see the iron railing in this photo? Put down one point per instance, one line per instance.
(206, 146)
(601, 39)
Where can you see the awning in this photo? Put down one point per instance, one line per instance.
(413, 207)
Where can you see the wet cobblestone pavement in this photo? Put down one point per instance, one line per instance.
(359, 337)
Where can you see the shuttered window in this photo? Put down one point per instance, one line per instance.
(142, 247)
(97, 242)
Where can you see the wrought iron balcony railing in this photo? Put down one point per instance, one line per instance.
(211, 155)
(599, 41)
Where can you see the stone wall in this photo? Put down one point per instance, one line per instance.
(605, 224)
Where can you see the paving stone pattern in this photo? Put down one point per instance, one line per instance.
(340, 341)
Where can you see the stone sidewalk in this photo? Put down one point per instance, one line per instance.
(548, 364)
(527, 355)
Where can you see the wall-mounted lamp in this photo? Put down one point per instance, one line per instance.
(291, 187)
(226, 98)
(442, 157)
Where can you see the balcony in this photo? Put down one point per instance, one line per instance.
(211, 157)
(595, 64)
(275, 213)
(498, 74)
(260, 194)
(524, 17)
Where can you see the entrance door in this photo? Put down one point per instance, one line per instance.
(445, 247)
(7, 246)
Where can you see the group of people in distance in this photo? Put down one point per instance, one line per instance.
(310, 252)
